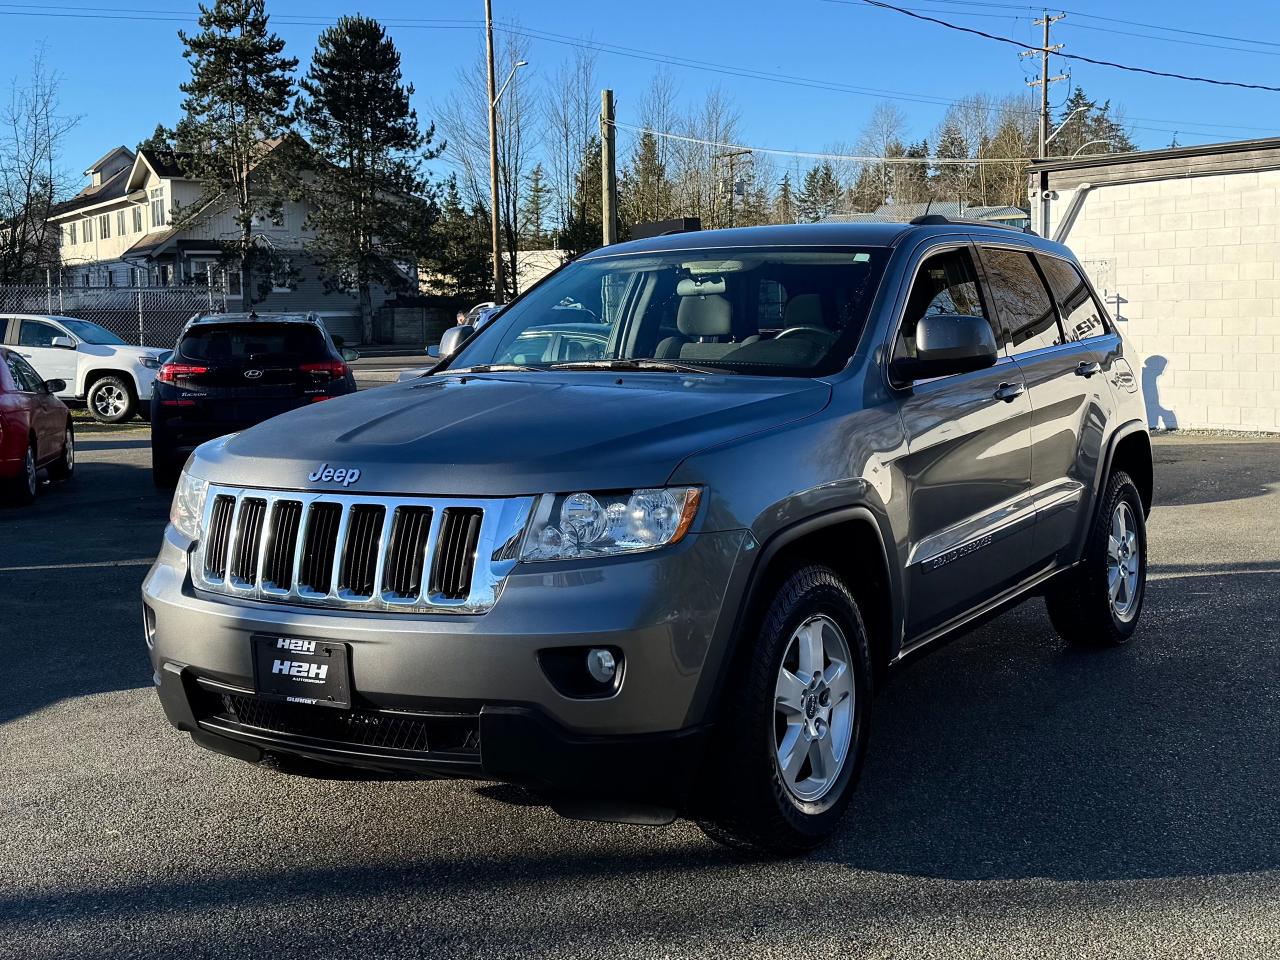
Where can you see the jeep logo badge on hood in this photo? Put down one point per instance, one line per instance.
(327, 474)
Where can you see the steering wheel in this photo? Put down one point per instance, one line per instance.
(800, 331)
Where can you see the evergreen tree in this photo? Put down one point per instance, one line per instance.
(951, 180)
(536, 206)
(460, 255)
(648, 191)
(820, 194)
(585, 228)
(1090, 127)
(236, 114)
(371, 204)
(784, 204)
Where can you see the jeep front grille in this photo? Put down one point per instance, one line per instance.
(403, 554)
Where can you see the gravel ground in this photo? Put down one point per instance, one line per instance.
(1021, 799)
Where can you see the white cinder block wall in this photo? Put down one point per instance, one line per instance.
(1195, 262)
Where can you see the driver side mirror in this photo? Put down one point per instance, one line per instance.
(63, 343)
(454, 337)
(946, 344)
(55, 386)
(350, 355)
(433, 351)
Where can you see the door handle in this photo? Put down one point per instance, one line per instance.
(1088, 368)
(1009, 392)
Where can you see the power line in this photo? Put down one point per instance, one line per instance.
(1069, 56)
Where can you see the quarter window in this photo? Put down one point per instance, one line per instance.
(1018, 293)
(946, 284)
(1082, 316)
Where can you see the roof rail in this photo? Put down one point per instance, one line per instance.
(938, 220)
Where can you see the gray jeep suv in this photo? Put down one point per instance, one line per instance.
(667, 578)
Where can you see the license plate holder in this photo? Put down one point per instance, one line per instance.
(297, 670)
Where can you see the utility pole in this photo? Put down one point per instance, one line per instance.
(731, 156)
(1043, 83)
(608, 172)
(493, 155)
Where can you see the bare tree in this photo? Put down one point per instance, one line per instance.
(464, 120)
(572, 118)
(701, 163)
(883, 136)
(32, 130)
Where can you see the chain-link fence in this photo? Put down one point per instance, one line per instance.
(148, 316)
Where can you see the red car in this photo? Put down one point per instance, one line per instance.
(35, 430)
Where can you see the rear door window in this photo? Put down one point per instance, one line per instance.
(1020, 297)
(1082, 315)
(241, 343)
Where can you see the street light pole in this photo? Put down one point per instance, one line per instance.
(493, 157)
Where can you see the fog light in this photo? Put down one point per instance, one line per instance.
(601, 665)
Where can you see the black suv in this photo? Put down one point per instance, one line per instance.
(230, 371)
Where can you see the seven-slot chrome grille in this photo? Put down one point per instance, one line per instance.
(404, 554)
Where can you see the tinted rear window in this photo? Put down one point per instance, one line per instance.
(228, 343)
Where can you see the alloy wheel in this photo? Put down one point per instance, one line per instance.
(29, 469)
(1124, 562)
(110, 400)
(814, 702)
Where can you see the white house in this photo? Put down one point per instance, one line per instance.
(117, 232)
(1184, 245)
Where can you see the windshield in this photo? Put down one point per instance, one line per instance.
(90, 332)
(763, 311)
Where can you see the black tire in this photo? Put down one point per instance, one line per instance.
(1080, 601)
(64, 467)
(744, 801)
(111, 400)
(23, 488)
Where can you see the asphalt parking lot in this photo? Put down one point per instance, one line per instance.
(1021, 799)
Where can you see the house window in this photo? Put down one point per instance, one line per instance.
(104, 226)
(157, 207)
(87, 228)
(137, 219)
(71, 234)
(120, 231)
(282, 279)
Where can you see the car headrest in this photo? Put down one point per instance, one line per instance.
(804, 310)
(700, 286)
(704, 316)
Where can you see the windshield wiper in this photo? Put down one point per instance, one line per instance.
(636, 363)
(495, 368)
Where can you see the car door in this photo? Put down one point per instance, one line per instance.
(40, 403)
(1071, 406)
(35, 345)
(968, 467)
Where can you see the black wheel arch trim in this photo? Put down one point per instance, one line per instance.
(1122, 432)
(708, 699)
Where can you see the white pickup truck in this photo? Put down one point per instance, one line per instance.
(112, 378)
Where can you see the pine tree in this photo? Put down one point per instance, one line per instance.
(236, 114)
(784, 204)
(460, 254)
(1086, 124)
(371, 205)
(648, 191)
(820, 194)
(951, 180)
(536, 206)
(585, 229)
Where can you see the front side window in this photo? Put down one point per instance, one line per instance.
(34, 333)
(758, 311)
(1031, 323)
(946, 284)
(25, 375)
(1082, 315)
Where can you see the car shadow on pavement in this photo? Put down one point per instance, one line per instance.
(1010, 756)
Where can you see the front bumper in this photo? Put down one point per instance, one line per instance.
(468, 695)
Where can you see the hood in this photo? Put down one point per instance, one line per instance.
(122, 351)
(509, 434)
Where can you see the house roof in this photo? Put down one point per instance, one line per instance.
(906, 212)
(114, 187)
(102, 160)
(149, 244)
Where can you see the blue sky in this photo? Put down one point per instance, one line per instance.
(121, 68)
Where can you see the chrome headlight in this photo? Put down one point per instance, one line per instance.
(608, 524)
(188, 505)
